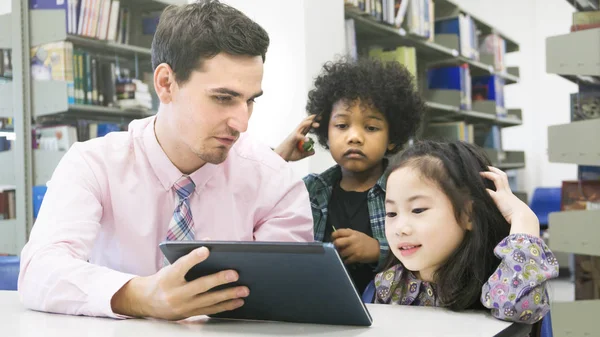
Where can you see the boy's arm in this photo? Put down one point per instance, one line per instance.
(517, 290)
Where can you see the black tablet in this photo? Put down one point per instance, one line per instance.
(289, 282)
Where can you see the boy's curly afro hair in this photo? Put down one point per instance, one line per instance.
(387, 86)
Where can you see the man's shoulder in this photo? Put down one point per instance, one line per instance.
(112, 145)
(250, 150)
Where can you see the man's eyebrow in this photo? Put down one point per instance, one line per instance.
(232, 92)
(225, 91)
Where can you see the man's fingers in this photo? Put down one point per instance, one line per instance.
(185, 263)
(206, 283)
(217, 308)
(212, 298)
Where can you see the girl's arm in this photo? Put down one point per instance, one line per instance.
(517, 290)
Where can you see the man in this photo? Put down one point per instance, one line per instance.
(188, 173)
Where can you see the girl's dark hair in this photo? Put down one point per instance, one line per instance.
(455, 167)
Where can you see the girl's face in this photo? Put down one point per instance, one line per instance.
(420, 224)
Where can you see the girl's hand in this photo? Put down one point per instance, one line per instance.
(288, 149)
(515, 211)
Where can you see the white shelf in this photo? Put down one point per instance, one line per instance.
(575, 232)
(8, 236)
(51, 98)
(7, 168)
(47, 25)
(575, 319)
(506, 160)
(6, 99)
(574, 54)
(575, 143)
(6, 29)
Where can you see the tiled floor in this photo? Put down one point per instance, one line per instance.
(561, 290)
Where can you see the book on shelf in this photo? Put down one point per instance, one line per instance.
(6, 144)
(415, 16)
(585, 105)
(6, 68)
(91, 78)
(464, 27)
(488, 136)
(583, 195)
(55, 137)
(585, 20)
(420, 18)
(493, 46)
(454, 78)
(8, 205)
(106, 20)
(54, 61)
(406, 56)
(489, 88)
(7, 123)
(450, 131)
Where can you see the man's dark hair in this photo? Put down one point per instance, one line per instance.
(454, 167)
(186, 35)
(387, 86)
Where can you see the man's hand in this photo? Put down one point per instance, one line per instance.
(288, 149)
(167, 295)
(355, 246)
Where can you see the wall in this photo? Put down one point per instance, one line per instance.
(5, 6)
(543, 97)
(304, 35)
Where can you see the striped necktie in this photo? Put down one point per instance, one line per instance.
(181, 226)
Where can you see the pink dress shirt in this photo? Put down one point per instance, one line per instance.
(110, 201)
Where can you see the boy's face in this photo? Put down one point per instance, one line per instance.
(358, 136)
(420, 225)
(212, 109)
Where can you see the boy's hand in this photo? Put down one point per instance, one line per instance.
(288, 149)
(515, 211)
(355, 246)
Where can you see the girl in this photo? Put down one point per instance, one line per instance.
(460, 239)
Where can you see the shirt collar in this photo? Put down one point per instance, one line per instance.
(164, 169)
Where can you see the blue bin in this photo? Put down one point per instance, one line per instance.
(545, 200)
(9, 272)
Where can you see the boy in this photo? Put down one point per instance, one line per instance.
(362, 112)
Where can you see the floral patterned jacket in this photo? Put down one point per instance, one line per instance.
(515, 292)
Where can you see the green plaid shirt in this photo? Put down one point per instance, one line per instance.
(320, 187)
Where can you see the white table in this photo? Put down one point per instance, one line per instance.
(388, 320)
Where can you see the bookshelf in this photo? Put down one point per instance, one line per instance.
(576, 57)
(33, 102)
(442, 50)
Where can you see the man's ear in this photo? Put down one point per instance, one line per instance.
(164, 83)
(391, 146)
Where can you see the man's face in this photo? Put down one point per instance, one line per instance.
(213, 107)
